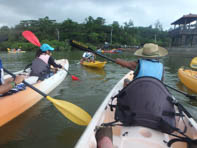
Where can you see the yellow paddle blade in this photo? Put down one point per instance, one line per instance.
(71, 111)
(193, 63)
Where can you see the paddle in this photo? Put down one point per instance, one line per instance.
(30, 36)
(86, 48)
(73, 77)
(69, 110)
(187, 95)
(83, 47)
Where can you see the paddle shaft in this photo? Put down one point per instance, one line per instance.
(32, 87)
(187, 95)
(86, 48)
(67, 71)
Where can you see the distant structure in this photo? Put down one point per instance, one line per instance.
(27, 23)
(184, 33)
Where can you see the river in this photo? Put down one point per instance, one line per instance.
(43, 126)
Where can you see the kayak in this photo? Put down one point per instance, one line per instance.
(193, 63)
(16, 51)
(131, 136)
(96, 64)
(13, 105)
(188, 78)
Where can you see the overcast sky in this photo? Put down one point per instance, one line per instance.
(141, 12)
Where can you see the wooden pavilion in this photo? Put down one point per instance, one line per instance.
(184, 33)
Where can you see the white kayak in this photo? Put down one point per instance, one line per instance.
(132, 136)
(13, 105)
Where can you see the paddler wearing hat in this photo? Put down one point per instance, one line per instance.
(148, 63)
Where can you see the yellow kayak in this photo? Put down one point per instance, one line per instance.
(16, 51)
(193, 63)
(96, 64)
(188, 78)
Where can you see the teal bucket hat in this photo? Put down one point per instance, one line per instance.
(46, 47)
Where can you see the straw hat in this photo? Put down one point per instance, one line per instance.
(151, 50)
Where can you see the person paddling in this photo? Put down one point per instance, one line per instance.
(41, 64)
(148, 63)
(87, 56)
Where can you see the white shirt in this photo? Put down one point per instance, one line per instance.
(87, 55)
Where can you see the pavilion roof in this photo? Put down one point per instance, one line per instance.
(185, 19)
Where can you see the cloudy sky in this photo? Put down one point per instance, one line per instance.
(141, 12)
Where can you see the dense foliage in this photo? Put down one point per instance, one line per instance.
(91, 31)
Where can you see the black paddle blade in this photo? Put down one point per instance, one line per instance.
(84, 47)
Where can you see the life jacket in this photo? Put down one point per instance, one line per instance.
(151, 68)
(39, 68)
(44, 57)
(1, 73)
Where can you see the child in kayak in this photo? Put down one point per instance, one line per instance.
(41, 64)
(88, 56)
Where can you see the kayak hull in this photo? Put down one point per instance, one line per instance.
(188, 78)
(15, 104)
(96, 64)
(131, 136)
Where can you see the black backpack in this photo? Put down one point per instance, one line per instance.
(145, 102)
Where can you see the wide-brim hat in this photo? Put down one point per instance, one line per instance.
(46, 47)
(151, 50)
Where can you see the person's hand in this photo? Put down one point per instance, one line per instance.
(19, 79)
(54, 69)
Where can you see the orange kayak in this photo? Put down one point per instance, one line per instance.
(13, 105)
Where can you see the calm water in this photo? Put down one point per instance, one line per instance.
(43, 126)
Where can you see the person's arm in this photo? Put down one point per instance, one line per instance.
(10, 83)
(6, 87)
(129, 64)
(52, 62)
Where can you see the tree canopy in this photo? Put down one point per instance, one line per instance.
(92, 31)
